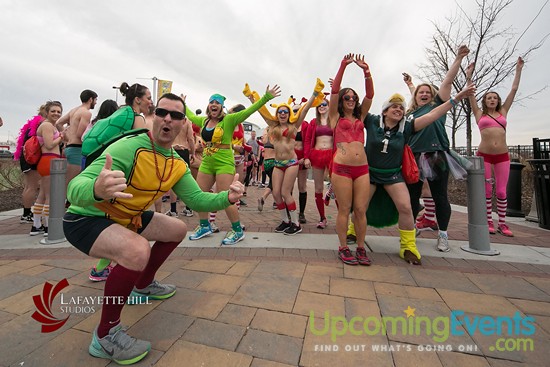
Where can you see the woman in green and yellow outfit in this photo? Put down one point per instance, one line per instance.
(218, 163)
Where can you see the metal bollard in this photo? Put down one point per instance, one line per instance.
(513, 190)
(58, 193)
(478, 229)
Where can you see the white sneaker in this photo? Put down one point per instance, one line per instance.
(171, 214)
(214, 227)
(187, 212)
(443, 244)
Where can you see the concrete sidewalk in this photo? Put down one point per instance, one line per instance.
(251, 304)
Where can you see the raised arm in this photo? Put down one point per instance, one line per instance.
(472, 98)
(333, 114)
(447, 84)
(190, 115)
(369, 85)
(515, 85)
(305, 108)
(425, 120)
(258, 104)
(408, 80)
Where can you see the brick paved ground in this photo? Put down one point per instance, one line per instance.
(252, 306)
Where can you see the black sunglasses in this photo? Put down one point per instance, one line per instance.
(175, 115)
(347, 98)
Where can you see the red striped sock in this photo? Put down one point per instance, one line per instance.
(429, 209)
(502, 205)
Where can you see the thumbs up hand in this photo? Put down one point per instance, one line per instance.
(110, 184)
(236, 190)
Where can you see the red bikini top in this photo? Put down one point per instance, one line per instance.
(348, 132)
(288, 134)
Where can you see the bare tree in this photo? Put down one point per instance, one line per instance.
(493, 50)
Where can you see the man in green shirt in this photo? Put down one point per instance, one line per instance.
(109, 218)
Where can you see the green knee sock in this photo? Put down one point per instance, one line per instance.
(102, 264)
(236, 226)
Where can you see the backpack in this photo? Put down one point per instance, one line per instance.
(32, 151)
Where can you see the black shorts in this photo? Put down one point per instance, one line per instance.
(82, 231)
(184, 153)
(26, 166)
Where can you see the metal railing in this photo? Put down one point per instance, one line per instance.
(516, 151)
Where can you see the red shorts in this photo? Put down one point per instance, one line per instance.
(43, 167)
(320, 158)
(494, 158)
(352, 172)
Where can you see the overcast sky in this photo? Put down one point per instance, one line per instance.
(54, 49)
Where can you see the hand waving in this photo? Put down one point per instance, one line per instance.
(348, 59)
(275, 91)
(360, 61)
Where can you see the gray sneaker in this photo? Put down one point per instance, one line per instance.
(154, 290)
(443, 244)
(119, 346)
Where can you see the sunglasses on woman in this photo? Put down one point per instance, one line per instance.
(354, 98)
(324, 104)
(175, 115)
(283, 112)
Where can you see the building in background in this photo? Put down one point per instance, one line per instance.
(249, 127)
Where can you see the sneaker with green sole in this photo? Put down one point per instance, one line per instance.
(233, 237)
(154, 290)
(119, 346)
(200, 232)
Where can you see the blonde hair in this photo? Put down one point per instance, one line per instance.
(413, 105)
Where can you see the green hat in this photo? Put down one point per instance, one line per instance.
(217, 97)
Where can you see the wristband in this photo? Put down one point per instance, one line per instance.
(453, 103)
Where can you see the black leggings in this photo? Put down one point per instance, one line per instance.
(439, 189)
(269, 173)
(248, 175)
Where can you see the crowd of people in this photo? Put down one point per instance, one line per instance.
(125, 160)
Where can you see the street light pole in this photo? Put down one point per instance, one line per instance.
(116, 93)
(154, 94)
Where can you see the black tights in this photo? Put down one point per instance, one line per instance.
(439, 189)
